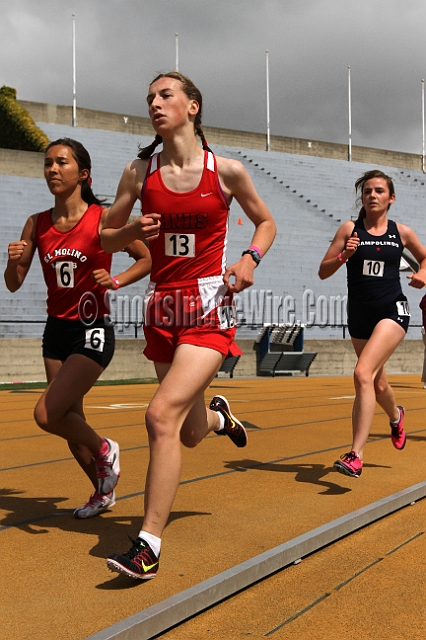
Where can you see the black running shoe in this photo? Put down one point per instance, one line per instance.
(232, 427)
(139, 562)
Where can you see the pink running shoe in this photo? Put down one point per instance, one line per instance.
(398, 436)
(350, 464)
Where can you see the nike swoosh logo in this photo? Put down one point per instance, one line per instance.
(204, 195)
(148, 567)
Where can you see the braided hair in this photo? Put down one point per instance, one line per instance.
(192, 93)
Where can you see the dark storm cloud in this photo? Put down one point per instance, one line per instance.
(122, 44)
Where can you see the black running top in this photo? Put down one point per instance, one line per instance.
(373, 270)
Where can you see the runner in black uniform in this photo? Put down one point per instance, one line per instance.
(378, 313)
(374, 288)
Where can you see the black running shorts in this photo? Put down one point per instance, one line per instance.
(63, 338)
(362, 317)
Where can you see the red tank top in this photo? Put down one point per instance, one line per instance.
(194, 225)
(68, 259)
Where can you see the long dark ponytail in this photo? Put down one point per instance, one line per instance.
(82, 158)
(193, 93)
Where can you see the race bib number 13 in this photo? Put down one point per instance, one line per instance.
(227, 317)
(180, 245)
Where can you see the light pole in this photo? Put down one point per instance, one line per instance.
(74, 98)
(349, 116)
(423, 125)
(268, 128)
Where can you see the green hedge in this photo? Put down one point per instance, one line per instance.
(17, 129)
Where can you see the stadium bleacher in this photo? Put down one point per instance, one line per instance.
(308, 196)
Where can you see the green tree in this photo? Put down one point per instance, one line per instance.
(17, 129)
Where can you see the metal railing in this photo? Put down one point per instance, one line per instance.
(138, 326)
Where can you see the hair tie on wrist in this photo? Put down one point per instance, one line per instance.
(341, 258)
(117, 284)
(253, 246)
(254, 254)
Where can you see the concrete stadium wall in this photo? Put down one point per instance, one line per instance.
(21, 361)
(337, 357)
(59, 114)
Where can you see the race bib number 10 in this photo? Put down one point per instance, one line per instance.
(402, 308)
(180, 245)
(373, 268)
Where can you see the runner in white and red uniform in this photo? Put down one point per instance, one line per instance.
(78, 339)
(185, 194)
(378, 313)
(189, 262)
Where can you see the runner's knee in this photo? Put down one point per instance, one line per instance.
(42, 418)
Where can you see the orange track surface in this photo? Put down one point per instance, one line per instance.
(232, 505)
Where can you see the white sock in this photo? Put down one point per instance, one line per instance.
(153, 541)
(221, 421)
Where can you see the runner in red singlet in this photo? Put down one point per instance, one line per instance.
(78, 340)
(185, 194)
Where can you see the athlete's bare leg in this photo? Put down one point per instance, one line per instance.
(370, 377)
(81, 453)
(176, 413)
(60, 408)
(385, 395)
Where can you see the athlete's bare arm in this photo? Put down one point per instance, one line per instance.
(116, 234)
(138, 270)
(236, 183)
(413, 244)
(21, 255)
(343, 242)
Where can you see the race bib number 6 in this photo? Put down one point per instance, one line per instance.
(180, 245)
(65, 274)
(95, 339)
(373, 268)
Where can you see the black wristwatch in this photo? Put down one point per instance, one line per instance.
(254, 254)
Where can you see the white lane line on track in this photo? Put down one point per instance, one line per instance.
(117, 406)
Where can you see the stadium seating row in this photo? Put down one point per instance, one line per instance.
(308, 197)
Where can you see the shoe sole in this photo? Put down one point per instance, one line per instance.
(116, 567)
(98, 513)
(228, 410)
(400, 448)
(341, 468)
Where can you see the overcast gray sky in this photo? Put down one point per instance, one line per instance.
(122, 44)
